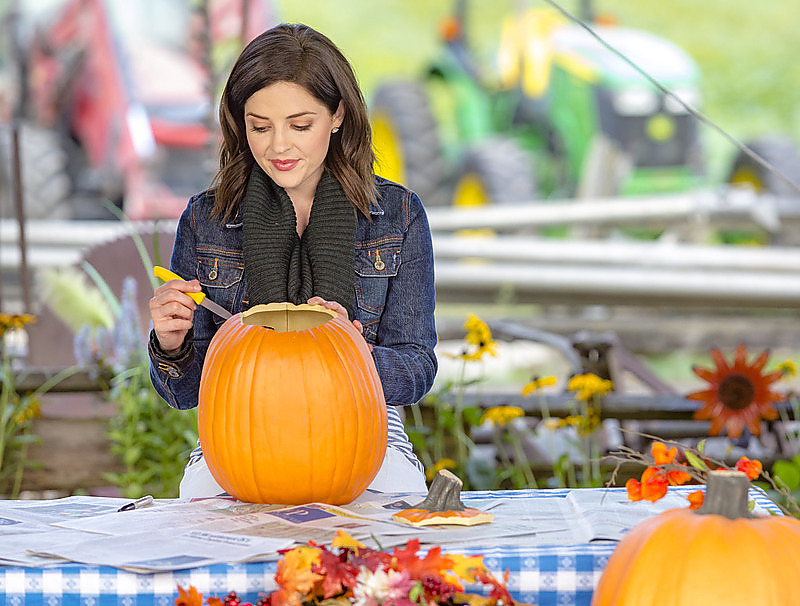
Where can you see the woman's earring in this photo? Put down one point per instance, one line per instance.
(335, 130)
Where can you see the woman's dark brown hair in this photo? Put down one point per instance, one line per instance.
(301, 55)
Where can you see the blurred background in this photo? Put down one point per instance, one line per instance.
(582, 175)
(574, 205)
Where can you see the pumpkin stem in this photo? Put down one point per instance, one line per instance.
(726, 495)
(444, 493)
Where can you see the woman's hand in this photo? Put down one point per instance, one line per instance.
(339, 309)
(172, 311)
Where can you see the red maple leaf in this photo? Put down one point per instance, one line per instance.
(339, 574)
(433, 564)
(370, 559)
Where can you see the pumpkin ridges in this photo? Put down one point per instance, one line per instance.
(371, 389)
(241, 425)
(376, 392)
(787, 535)
(210, 382)
(227, 473)
(261, 445)
(351, 357)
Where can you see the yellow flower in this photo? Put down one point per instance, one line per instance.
(788, 368)
(589, 385)
(538, 383)
(500, 415)
(479, 335)
(438, 466)
(32, 411)
(553, 423)
(342, 539)
(14, 322)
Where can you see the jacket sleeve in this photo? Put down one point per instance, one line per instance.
(404, 349)
(176, 377)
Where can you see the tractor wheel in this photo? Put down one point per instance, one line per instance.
(778, 151)
(406, 140)
(497, 171)
(46, 184)
(783, 154)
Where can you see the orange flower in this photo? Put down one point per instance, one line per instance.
(738, 395)
(189, 598)
(661, 455)
(752, 468)
(634, 488)
(676, 477)
(664, 456)
(696, 499)
(654, 484)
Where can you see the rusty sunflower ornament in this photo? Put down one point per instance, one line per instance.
(739, 395)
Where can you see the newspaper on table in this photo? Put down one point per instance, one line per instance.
(148, 552)
(176, 534)
(609, 515)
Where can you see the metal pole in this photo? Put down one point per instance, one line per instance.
(19, 203)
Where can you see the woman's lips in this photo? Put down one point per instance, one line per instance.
(284, 164)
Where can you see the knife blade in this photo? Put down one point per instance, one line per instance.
(199, 297)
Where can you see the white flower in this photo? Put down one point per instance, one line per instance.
(371, 589)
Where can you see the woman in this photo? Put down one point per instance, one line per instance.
(296, 214)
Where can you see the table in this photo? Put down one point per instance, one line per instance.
(546, 575)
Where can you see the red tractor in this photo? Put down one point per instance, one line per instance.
(116, 100)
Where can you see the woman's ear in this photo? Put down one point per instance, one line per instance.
(338, 115)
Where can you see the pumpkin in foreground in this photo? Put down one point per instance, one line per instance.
(719, 554)
(291, 408)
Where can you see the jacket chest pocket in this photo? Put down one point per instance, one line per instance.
(221, 278)
(375, 266)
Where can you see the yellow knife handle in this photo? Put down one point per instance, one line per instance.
(164, 274)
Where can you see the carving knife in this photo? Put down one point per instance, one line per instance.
(199, 297)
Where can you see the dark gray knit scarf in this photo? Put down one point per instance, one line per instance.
(283, 267)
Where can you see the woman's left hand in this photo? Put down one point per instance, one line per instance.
(339, 309)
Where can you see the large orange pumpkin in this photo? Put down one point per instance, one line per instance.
(720, 554)
(291, 408)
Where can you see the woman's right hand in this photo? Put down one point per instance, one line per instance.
(172, 311)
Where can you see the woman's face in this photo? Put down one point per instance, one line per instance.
(288, 131)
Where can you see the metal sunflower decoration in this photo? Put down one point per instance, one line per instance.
(739, 395)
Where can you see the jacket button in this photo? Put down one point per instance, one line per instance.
(174, 373)
(379, 265)
(212, 275)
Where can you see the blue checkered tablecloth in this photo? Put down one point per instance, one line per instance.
(558, 575)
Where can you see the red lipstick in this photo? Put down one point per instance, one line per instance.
(284, 164)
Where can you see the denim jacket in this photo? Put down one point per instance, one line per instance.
(393, 297)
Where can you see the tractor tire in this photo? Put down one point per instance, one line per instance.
(46, 183)
(497, 171)
(406, 141)
(782, 153)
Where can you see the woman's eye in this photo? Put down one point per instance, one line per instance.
(258, 129)
(302, 126)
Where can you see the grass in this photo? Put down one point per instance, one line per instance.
(745, 51)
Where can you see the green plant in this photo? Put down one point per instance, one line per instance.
(18, 411)
(152, 440)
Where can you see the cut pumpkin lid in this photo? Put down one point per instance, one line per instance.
(285, 317)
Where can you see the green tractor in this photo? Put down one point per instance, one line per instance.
(561, 116)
